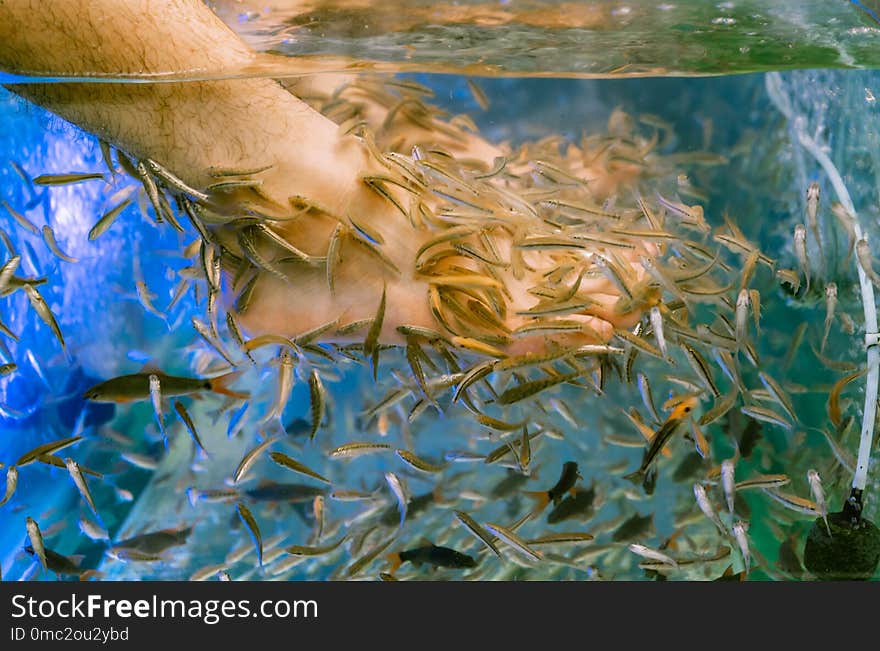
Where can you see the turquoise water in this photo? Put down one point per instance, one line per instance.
(761, 185)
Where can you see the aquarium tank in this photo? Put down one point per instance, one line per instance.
(594, 301)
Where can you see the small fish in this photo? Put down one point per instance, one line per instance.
(477, 531)
(42, 309)
(815, 482)
(794, 503)
(581, 506)
(66, 179)
(431, 555)
(46, 449)
(728, 483)
(742, 317)
(834, 410)
(107, 220)
(190, 426)
(11, 483)
(514, 541)
(154, 543)
(800, 250)
(52, 243)
(566, 483)
(287, 462)
(7, 271)
(371, 342)
(248, 518)
(298, 550)
(417, 462)
(863, 253)
(652, 554)
(636, 526)
(676, 417)
(740, 530)
(248, 459)
(763, 481)
(847, 220)
(812, 211)
(156, 400)
(129, 388)
(706, 506)
(284, 385)
(93, 530)
(478, 95)
(318, 400)
(357, 449)
(830, 305)
(63, 565)
(36, 538)
(765, 415)
(23, 221)
(80, 483)
(778, 394)
(269, 491)
(400, 494)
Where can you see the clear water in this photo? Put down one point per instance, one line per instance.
(761, 186)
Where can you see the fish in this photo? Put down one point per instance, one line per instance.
(636, 526)
(11, 483)
(135, 387)
(269, 491)
(36, 538)
(67, 179)
(707, 507)
(62, 565)
(742, 317)
(52, 243)
(107, 220)
(652, 554)
(357, 449)
(371, 342)
(42, 309)
(834, 410)
(778, 394)
(46, 449)
(676, 417)
(183, 414)
(765, 415)
(156, 400)
(23, 221)
(80, 482)
(250, 457)
(863, 253)
(815, 482)
(830, 305)
(510, 538)
(93, 530)
(417, 462)
(292, 464)
(433, 555)
(7, 271)
(740, 530)
(565, 485)
(728, 482)
(794, 502)
(248, 518)
(318, 400)
(800, 249)
(762, 481)
(477, 531)
(154, 542)
(581, 505)
(400, 493)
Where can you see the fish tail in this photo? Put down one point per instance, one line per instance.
(636, 477)
(542, 499)
(221, 385)
(395, 561)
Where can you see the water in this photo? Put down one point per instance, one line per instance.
(722, 143)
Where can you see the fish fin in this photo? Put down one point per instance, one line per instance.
(636, 477)
(426, 541)
(151, 368)
(91, 574)
(395, 561)
(542, 499)
(221, 385)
